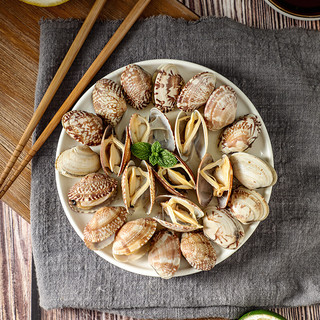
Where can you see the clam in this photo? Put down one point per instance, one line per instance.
(248, 205)
(183, 213)
(131, 241)
(221, 107)
(137, 86)
(139, 129)
(77, 162)
(191, 135)
(197, 91)
(165, 254)
(83, 126)
(92, 190)
(198, 250)
(167, 86)
(252, 171)
(176, 179)
(222, 228)
(108, 101)
(240, 135)
(114, 154)
(100, 230)
(214, 179)
(138, 188)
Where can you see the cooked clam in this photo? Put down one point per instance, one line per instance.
(248, 205)
(191, 135)
(100, 230)
(165, 254)
(167, 86)
(240, 135)
(252, 171)
(198, 250)
(131, 241)
(91, 191)
(214, 179)
(138, 188)
(222, 228)
(183, 214)
(196, 92)
(137, 86)
(139, 129)
(108, 101)
(77, 162)
(221, 107)
(114, 154)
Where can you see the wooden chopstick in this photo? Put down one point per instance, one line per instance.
(85, 80)
(55, 84)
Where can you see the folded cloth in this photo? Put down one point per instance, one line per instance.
(279, 265)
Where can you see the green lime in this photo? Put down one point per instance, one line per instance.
(261, 315)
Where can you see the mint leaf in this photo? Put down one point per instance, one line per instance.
(156, 147)
(167, 159)
(154, 158)
(141, 150)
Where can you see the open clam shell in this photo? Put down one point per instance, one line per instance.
(167, 86)
(198, 251)
(114, 155)
(138, 188)
(197, 91)
(99, 231)
(191, 135)
(183, 213)
(77, 162)
(240, 135)
(139, 129)
(165, 254)
(214, 179)
(222, 228)
(131, 240)
(252, 171)
(92, 190)
(248, 205)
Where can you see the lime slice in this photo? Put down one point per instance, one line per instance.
(44, 3)
(261, 315)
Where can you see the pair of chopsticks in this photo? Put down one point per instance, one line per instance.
(74, 95)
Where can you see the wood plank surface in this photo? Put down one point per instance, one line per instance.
(19, 48)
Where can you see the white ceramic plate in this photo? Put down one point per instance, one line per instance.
(261, 148)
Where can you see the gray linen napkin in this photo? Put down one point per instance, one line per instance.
(279, 265)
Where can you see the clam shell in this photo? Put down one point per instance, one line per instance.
(221, 107)
(137, 86)
(240, 135)
(83, 126)
(198, 251)
(105, 222)
(138, 188)
(133, 235)
(222, 228)
(167, 86)
(108, 101)
(252, 171)
(248, 205)
(196, 92)
(77, 162)
(91, 191)
(139, 129)
(191, 135)
(165, 254)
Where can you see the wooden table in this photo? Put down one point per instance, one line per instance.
(19, 51)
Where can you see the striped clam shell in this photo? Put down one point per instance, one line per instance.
(165, 254)
(196, 92)
(198, 250)
(105, 222)
(137, 86)
(83, 126)
(91, 191)
(221, 107)
(240, 135)
(108, 101)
